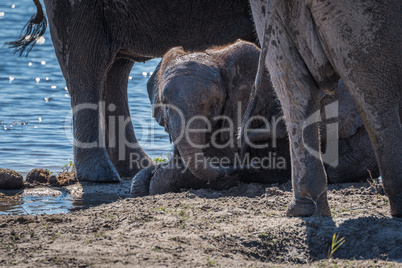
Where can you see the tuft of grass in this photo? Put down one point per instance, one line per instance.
(183, 215)
(210, 262)
(14, 236)
(67, 166)
(335, 244)
(157, 249)
(160, 159)
(54, 236)
(263, 235)
(336, 211)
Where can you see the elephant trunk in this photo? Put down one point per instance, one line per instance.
(198, 164)
(195, 160)
(191, 148)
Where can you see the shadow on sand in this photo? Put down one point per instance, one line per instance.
(365, 237)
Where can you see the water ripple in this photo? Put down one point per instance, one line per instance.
(34, 87)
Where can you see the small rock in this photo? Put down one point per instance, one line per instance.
(38, 175)
(10, 179)
(67, 178)
(53, 180)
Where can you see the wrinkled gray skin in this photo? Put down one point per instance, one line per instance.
(208, 84)
(97, 43)
(309, 45)
(215, 83)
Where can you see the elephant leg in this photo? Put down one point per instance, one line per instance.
(84, 56)
(90, 156)
(172, 178)
(121, 142)
(300, 99)
(383, 124)
(141, 182)
(382, 121)
(369, 62)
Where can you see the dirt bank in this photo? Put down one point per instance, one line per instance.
(244, 226)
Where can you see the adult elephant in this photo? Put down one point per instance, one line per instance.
(307, 46)
(97, 43)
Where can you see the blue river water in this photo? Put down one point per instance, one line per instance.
(35, 129)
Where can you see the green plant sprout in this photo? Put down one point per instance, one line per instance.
(160, 159)
(336, 243)
(51, 173)
(67, 166)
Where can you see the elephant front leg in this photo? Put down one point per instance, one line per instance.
(91, 159)
(172, 177)
(299, 97)
(122, 146)
(160, 179)
(141, 181)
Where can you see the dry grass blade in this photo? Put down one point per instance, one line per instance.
(336, 243)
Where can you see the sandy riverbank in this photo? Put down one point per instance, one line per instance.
(243, 226)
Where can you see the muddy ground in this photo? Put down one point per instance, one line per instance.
(241, 227)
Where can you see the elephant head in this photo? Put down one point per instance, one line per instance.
(200, 98)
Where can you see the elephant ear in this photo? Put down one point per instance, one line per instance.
(239, 63)
(155, 83)
(349, 115)
(154, 95)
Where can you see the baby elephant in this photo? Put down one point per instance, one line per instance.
(200, 98)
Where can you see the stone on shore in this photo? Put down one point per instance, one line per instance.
(38, 175)
(10, 179)
(67, 178)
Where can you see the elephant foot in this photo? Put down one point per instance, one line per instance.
(101, 172)
(141, 182)
(96, 167)
(167, 179)
(133, 163)
(306, 207)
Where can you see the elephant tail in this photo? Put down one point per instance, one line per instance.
(31, 33)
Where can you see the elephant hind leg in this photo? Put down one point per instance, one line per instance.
(383, 123)
(121, 143)
(377, 91)
(369, 62)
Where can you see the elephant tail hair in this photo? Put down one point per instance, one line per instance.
(31, 33)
